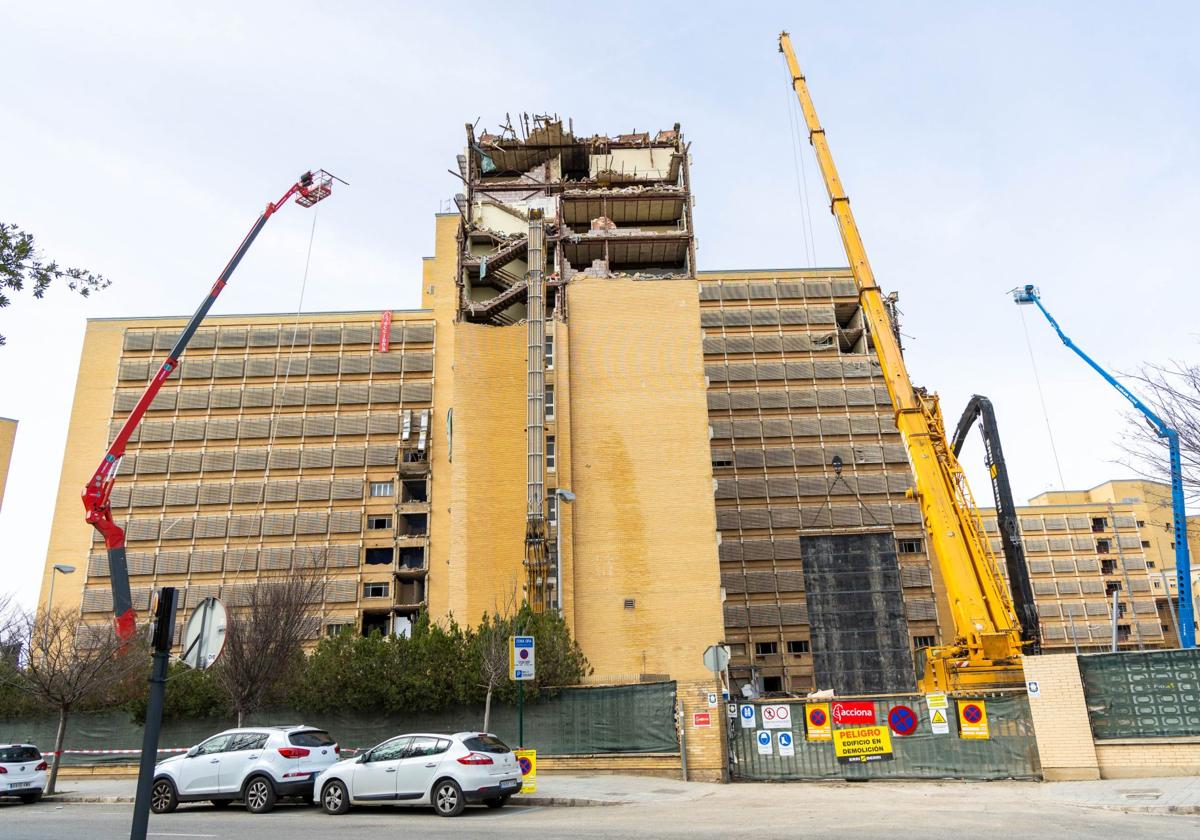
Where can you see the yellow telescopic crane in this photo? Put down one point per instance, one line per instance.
(986, 650)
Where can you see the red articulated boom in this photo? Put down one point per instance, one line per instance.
(308, 190)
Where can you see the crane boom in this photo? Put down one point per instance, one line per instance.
(308, 190)
(987, 646)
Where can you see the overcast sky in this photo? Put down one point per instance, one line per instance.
(983, 146)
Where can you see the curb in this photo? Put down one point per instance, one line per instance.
(534, 801)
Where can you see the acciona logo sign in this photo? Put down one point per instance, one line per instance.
(856, 713)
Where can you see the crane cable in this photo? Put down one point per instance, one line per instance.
(802, 194)
(1062, 485)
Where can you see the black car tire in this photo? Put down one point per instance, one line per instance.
(259, 795)
(163, 797)
(497, 802)
(448, 799)
(335, 799)
(30, 798)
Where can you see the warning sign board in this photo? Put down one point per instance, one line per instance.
(746, 713)
(902, 720)
(527, 761)
(861, 744)
(817, 716)
(787, 744)
(701, 719)
(939, 713)
(854, 713)
(777, 717)
(972, 719)
(764, 742)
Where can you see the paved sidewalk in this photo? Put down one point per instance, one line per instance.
(1171, 795)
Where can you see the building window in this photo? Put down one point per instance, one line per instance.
(1145, 543)
(737, 650)
(379, 522)
(1099, 524)
(912, 546)
(1103, 546)
(381, 488)
(549, 352)
(1150, 564)
(923, 642)
(1111, 587)
(772, 685)
(550, 453)
(334, 629)
(1141, 523)
(378, 556)
(796, 647)
(549, 402)
(766, 648)
(375, 590)
(552, 508)
(414, 491)
(1108, 567)
(719, 461)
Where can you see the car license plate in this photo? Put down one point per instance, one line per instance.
(510, 783)
(15, 785)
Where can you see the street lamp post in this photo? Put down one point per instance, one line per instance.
(568, 497)
(62, 568)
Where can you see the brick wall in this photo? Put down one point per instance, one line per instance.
(1060, 719)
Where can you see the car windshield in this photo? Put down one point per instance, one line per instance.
(311, 738)
(11, 754)
(485, 744)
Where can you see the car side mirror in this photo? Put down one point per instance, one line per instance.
(362, 759)
(192, 752)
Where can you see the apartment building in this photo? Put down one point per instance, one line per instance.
(8, 436)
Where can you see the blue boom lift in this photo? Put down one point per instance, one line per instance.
(1187, 625)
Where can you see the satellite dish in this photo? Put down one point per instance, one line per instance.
(204, 636)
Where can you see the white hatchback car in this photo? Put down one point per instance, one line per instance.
(445, 771)
(256, 764)
(22, 772)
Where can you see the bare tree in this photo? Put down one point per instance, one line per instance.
(489, 647)
(264, 639)
(1173, 393)
(62, 665)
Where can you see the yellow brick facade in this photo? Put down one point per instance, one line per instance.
(8, 435)
(1060, 720)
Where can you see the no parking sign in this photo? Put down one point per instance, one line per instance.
(972, 719)
(817, 716)
(902, 720)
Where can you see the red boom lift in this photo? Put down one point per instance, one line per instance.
(308, 190)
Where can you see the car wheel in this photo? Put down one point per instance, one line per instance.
(335, 799)
(30, 798)
(260, 795)
(163, 798)
(448, 798)
(497, 802)
(221, 804)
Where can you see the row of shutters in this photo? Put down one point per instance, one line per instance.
(786, 486)
(1085, 565)
(237, 367)
(94, 635)
(235, 492)
(1071, 522)
(1096, 631)
(806, 456)
(279, 336)
(258, 427)
(802, 371)
(96, 599)
(267, 396)
(157, 462)
(781, 289)
(202, 560)
(818, 516)
(784, 427)
(774, 615)
(1083, 586)
(792, 580)
(787, 342)
(806, 397)
(768, 316)
(307, 522)
(1040, 545)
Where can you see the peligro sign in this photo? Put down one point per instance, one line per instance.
(854, 713)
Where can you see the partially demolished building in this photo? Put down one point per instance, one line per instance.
(575, 416)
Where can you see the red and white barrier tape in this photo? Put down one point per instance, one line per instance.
(116, 752)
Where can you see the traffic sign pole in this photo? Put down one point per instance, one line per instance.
(521, 714)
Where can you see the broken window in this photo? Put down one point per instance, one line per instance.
(923, 642)
(796, 647)
(375, 623)
(1103, 546)
(414, 491)
(911, 546)
(412, 557)
(379, 522)
(414, 524)
(1099, 524)
(1108, 567)
(766, 648)
(378, 556)
(772, 684)
(1111, 587)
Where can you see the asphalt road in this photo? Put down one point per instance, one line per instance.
(859, 811)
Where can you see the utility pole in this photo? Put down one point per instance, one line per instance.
(164, 634)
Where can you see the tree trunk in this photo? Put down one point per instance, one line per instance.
(58, 747)
(241, 718)
(487, 710)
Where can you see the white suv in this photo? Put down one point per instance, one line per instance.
(257, 764)
(445, 771)
(22, 772)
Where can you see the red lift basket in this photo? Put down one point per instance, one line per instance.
(318, 190)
